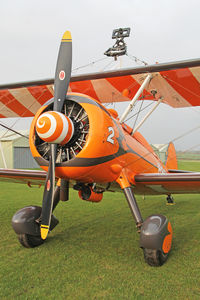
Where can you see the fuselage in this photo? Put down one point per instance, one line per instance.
(109, 148)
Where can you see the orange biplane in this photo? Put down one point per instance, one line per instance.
(79, 143)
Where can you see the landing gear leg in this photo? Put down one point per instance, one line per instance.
(170, 200)
(133, 207)
(126, 187)
(155, 231)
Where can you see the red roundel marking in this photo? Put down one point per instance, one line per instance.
(48, 185)
(62, 75)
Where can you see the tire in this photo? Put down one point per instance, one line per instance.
(155, 258)
(30, 241)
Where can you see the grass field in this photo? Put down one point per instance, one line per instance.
(188, 155)
(93, 253)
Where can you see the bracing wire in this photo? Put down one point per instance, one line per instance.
(186, 133)
(139, 111)
(108, 65)
(90, 64)
(10, 129)
(136, 60)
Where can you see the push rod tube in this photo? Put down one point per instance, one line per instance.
(135, 98)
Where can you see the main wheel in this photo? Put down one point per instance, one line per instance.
(155, 258)
(30, 241)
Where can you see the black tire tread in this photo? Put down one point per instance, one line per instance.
(154, 257)
(30, 241)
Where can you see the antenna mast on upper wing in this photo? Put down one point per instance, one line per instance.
(119, 48)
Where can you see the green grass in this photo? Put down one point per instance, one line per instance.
(188, 155)
(189, 165)
(93, 253)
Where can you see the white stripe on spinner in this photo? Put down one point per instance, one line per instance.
(64, 132)
(52, 128)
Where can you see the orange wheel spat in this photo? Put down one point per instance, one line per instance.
(167, 243)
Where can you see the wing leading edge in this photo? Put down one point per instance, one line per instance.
(170, 183)
(177, 82)
(30, 177)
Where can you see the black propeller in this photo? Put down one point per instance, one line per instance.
(61, 83)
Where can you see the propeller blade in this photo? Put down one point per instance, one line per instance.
(47, 203)
(63, 71)
(61, 83)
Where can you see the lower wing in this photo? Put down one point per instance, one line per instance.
(30, 177)
(170, 183)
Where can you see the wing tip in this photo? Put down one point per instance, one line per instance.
(44, 229)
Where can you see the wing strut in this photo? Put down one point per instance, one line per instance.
(135, 98)
(147, 115)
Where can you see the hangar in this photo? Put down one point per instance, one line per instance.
(161, 151)
(15, 152)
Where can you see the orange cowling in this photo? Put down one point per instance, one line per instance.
(105, 150)
(90, 196)
(92, 163)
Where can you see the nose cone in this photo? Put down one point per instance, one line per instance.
(54, 127)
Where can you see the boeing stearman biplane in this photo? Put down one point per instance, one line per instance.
(79, 143)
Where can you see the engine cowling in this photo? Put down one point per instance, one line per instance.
(94, 141)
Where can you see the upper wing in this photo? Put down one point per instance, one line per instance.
(177, 82)
(175, 183)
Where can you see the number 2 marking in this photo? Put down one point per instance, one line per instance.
(111, 135)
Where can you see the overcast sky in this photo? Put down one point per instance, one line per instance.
(160, 31)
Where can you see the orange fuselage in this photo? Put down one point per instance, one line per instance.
(109, 149)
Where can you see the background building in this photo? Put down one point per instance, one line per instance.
(15, 152)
